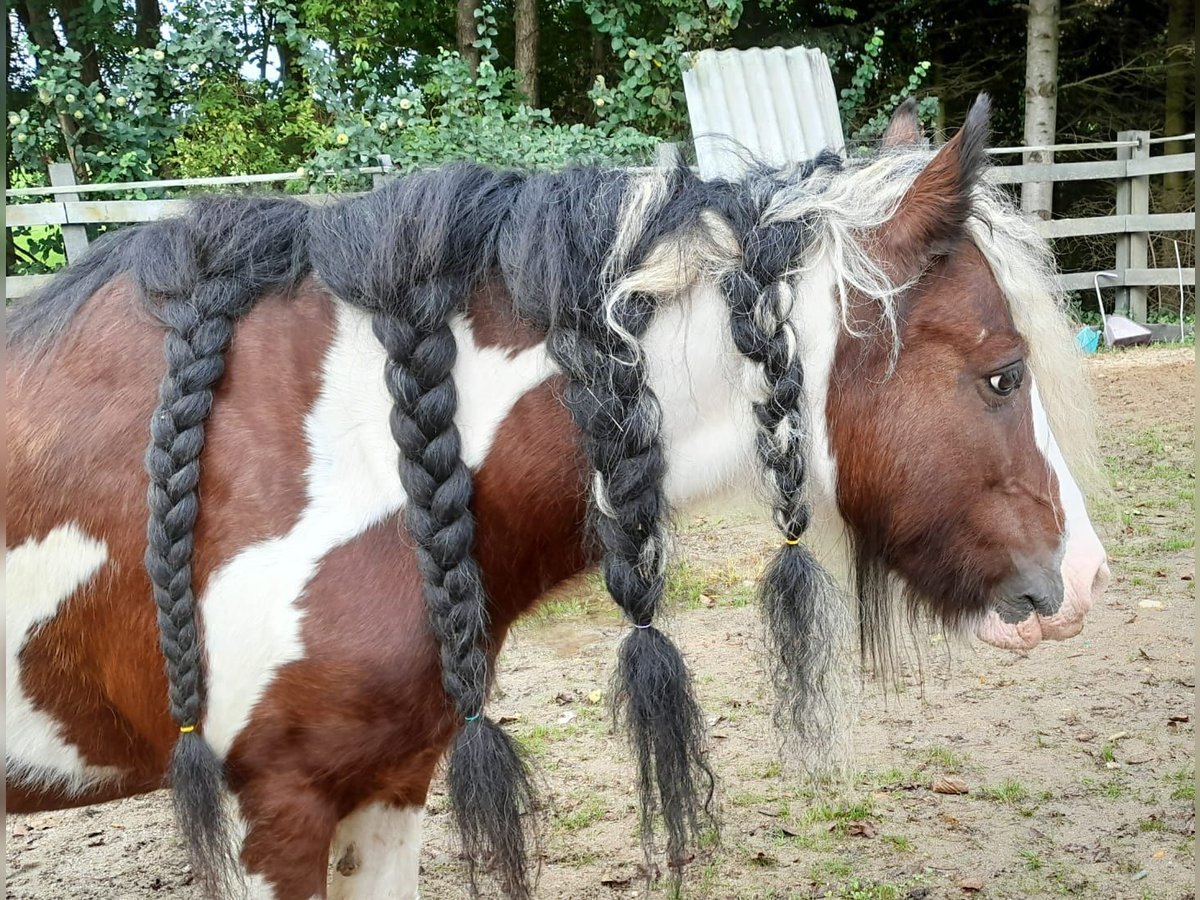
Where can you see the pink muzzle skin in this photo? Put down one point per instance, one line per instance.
(1085, 578)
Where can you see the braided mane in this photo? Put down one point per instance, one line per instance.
(589, 255)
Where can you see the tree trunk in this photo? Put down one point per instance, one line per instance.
(35, 16)
(527, 49)
(1178, 32)
(89, 66)
(467, 33)
(1041, 100)
(149, 23)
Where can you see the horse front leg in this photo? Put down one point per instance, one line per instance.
(286, 827)
(376, 853)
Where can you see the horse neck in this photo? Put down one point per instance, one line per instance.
(518, 438)
(706, 389)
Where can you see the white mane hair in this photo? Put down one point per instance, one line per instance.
(842, 206)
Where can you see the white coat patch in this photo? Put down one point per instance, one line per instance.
(40, 576)
(251, 609)
(376, 854)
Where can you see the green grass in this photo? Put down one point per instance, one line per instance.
(839, 815)
(943, 759)
(590, 811)
(538, 739)
(1009, 791)
(1184, 781)
(898, 842)
(1033, 862)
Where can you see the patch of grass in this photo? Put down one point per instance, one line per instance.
(831, 870)
(839, 815)
(773, 769)
(1181, 542)
(1009, 791)
(685, 584)
(579, 858)
(1150, 441)
(1108, 753)
(1113, 789)
(538, 738)
(588, 812)
(943, 758)
(900, 843)
(1184, 781)
(887, 779)
(1033, 862)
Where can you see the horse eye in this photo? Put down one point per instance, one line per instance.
(1007, 380)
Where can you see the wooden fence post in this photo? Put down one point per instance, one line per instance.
(388, 173)
(75, 239)
(1133, 199)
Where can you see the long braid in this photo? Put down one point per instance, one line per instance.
(488, 781)
(597, 345)
(800, 603)
(194, 348)
(200, 273)
(434, 237)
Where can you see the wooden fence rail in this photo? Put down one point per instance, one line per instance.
(1132, 222)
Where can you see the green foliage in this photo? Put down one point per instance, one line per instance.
(458, 116)
(648, 91)
(862, 113)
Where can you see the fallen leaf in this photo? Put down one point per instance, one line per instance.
(1085, 735)
(595, 696)
(1158, 854)
(564, 698)
(1176, 719)
(616, 882)
(707, 602)
(507, 720)
(861, 829)
(567, 717)
(1151, 604)
(949, 784)
(971, 884)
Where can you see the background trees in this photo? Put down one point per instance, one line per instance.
(135, 89)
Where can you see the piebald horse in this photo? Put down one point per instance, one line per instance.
(422, 408)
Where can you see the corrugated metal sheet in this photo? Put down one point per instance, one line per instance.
(777, 104)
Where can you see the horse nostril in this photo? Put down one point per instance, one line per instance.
(1038, 590)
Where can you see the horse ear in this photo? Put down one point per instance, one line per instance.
(904, 129)
(932, 213)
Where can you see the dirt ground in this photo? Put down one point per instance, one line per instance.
(1077, 758)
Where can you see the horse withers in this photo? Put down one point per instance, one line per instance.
(372, 435)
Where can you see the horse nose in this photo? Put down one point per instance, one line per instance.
(1033, 589)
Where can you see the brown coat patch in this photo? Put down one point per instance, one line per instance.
(78, 428)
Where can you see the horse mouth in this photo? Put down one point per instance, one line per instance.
(1039, 592)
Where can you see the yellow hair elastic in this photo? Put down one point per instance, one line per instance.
(186, 729)
(791, 543)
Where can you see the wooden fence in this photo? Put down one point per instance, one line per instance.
(1132, 221)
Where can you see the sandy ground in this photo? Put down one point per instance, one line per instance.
(1077, 758)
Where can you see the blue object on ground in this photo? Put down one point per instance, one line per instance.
(1088, 339)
